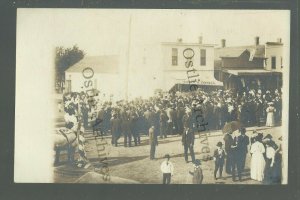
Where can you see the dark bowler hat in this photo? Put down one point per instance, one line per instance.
(167, 156)
(259, 136)
(197, 162)
(219, 144)
(268, 137)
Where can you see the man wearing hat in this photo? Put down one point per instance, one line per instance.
(188, 139)
(153, 142)
(115, 129)
(163, 118)
(98, 124)
(167, 169)
(229, 143)
(219, 158)
(242, 148)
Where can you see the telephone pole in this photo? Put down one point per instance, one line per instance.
(128, 59)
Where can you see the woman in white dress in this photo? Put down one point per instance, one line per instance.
(270, 115)
(257, 160)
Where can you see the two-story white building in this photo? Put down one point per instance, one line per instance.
(173, 63)
(273, 54)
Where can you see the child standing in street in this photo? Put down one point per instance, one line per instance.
(219, 157)
(167, 169)
(197, 173)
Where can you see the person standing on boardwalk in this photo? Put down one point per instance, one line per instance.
(153, 142)
(167, 169)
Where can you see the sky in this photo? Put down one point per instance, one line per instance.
(139, 33)
(106, 31)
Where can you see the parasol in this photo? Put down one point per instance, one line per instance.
(231, 126)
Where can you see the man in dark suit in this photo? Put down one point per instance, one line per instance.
(148, 114)
(228, 149)
(115, 129)
(188, 139)
(100, 119)
(180, 114)
(126, 129)
(153, 142)
(242, 147)
(133, 127)
(235, 160)
(163, 119)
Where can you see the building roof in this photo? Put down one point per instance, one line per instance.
(99, 64)
(254, 72)
(187, 44)
(274, 43)
(233, 52)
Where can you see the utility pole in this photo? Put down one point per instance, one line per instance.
(128, 58)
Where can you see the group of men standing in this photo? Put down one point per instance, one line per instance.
(236, 148)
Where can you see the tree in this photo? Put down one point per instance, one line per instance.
(65, 58)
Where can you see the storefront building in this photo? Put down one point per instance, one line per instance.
(250, 67)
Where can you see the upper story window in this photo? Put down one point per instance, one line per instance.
(174, 56)
(202, 57)
(273, 62)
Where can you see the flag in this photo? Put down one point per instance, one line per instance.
(252, 53)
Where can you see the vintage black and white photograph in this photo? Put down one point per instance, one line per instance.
(136, 96)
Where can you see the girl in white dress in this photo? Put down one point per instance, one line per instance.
(270, 115)
(257, 160)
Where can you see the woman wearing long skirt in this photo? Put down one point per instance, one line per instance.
(270, 115)
(270, 160)
(257, 160)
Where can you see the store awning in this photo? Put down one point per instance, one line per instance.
(240, 72)
(184, 85)
(205, 82)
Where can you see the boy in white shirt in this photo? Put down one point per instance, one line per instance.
(167, 169)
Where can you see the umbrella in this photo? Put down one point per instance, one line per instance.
(231, 126)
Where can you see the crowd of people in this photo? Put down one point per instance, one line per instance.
(266, 156)
(174, 113)
(166, 112)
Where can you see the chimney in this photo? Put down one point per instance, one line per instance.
(256, 40)
(200, 38)
(223, 43)
(279, 40)
(179, 40)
